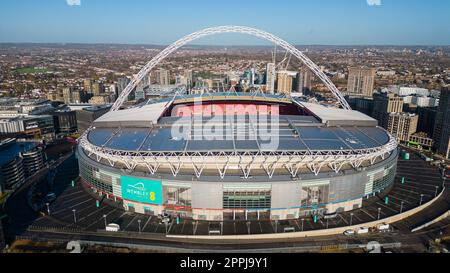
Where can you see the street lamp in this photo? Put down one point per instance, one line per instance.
(48, 208)
(351, 218)
(139, 222)
(379, 213)
(104, 217)
(303, 224)
(74, 215)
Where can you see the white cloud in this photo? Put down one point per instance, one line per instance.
(73, 2)
(374, 2)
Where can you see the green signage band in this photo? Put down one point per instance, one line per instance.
(141, 190)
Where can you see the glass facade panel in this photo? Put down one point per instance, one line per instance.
(242, 199)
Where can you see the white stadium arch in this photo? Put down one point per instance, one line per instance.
(229, 29)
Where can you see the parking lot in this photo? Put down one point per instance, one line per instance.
(75, 208)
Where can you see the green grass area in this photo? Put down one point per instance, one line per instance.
(31, 70)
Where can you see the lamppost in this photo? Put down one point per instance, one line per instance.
(303, 224)
(74, 215)
(351, 218)
(421, 199)
(104, 218)
(401, 207)
(139, 222)
(48, 208)
(379, 213)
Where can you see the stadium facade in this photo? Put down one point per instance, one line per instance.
(225, 156)
(236, 156)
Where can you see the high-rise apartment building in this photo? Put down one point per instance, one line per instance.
(162, 77)
(402, 125)
(361, 81)
(385, 104)
(189, 78)
(67, 95)
(441, 133)
(270, 78)
(427, 120)
(285, 81)
(304, 81)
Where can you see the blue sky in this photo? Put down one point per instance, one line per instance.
(329, 22)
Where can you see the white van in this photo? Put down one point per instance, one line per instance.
(363, 230)
(349, 232)
(113, 228)
(384, 227)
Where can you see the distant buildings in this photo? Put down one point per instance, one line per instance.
(402, 125)
(363, 105)
(441, 134)
(427, 120)
(303, 81)
(361, 81)
(162, 77)
(270, 78)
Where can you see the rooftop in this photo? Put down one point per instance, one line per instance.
(11, 149)
(149, 127)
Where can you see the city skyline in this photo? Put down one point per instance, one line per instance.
(324, 22)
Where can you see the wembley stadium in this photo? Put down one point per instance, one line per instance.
(236, 156)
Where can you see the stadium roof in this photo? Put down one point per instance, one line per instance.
(335, 116)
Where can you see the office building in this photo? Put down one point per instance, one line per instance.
(383, 105)
(427, 119)
(303, 81)
(363, 105)
(86, 116)
(65, 122)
